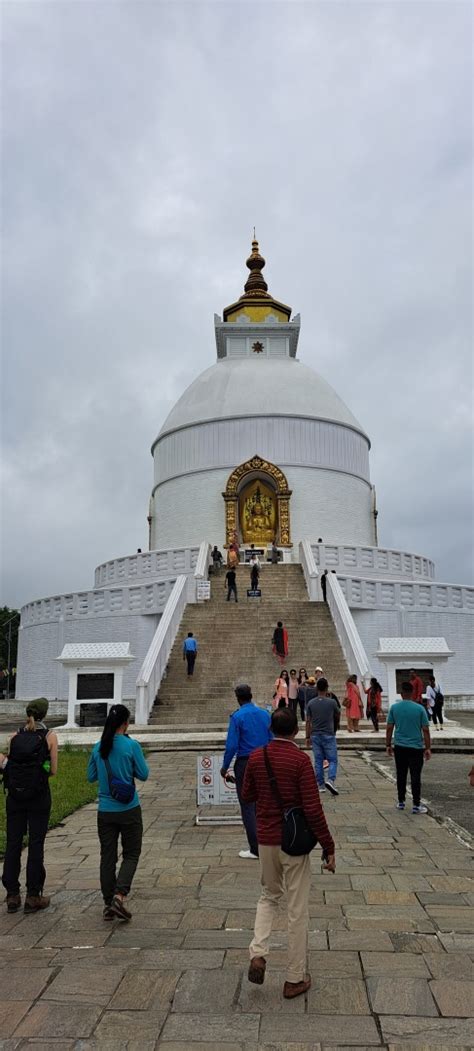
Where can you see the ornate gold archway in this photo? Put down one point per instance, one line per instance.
(267, 472)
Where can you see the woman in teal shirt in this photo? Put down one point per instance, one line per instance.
(125, 761)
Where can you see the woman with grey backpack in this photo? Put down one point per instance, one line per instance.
(116, 760)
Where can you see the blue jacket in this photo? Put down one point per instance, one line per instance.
(249, 728)
(126, 762)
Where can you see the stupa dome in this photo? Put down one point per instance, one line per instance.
(258, 386)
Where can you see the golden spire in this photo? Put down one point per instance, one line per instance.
(256, 300)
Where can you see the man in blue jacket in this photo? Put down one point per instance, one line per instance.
(249, 728)
(190, 649)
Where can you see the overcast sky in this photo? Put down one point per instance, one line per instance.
(142, 141)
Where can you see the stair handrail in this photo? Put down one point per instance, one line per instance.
(349, 638)
(310, 569)
(201, 570)
(156, 660)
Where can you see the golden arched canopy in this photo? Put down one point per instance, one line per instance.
(272, 477)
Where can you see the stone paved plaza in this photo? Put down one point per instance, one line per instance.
(391, 943)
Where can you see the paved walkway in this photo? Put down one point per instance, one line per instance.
(391, 936)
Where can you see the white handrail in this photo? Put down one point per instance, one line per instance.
(201, 571)
(310, 569)
(352, 648)
(154, 665)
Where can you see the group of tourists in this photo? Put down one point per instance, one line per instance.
(278, 790)
(115, 762)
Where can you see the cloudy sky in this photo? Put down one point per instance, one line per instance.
(142, 142)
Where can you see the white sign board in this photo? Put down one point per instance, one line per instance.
(212, 790)
(203, 590)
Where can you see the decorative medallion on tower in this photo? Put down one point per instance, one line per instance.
(257, 347)
(256, 304)
(257, 504)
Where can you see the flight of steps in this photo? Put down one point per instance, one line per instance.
(235, 646)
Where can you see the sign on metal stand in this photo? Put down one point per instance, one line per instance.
(212, 790)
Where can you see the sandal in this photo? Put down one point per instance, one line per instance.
(119, 909)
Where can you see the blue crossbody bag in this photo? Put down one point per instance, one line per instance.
(122, 791)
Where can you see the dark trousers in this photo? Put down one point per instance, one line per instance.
(112, 824)
(374, 717)
(231, 588)
(22, 818)
(191, 660)
(437, 713)
(323, 589)
(408, 759)
(247, 809)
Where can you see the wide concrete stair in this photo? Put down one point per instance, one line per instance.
(235, 646)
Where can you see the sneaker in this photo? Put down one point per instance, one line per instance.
(399, 806)
(322, 788)
(13, 902)
(419, 809)
(248, 854)
(108, 913)
(36, 903)
(332, 788)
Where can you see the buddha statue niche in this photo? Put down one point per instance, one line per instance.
(258, 515)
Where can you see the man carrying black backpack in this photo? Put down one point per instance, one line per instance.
(32, 759)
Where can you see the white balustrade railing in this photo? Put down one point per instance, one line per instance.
(144, 598)
(310, 570)
(156, 660)
(352, 648)
(201, 571)
(361, 593)
(364, 560)
(146, 565)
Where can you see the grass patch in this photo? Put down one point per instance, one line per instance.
(69, 789)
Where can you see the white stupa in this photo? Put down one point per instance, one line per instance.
(259, 419)
(259, 450)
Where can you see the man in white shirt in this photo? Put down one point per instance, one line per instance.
(435, 701)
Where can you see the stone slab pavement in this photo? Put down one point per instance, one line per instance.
(391, 941)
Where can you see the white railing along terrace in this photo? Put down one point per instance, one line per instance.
(372, 561)
(352, 648)
(361, 593)
(164, 562)
(144, 598)
(154, 665)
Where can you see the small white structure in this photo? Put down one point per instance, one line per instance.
(95, 673)
(411, 653)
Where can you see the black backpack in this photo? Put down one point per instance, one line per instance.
(25, 775)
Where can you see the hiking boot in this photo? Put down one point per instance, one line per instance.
(13, 902)
(292, 989)
(256, 972)
(36, 902)
(108, 913)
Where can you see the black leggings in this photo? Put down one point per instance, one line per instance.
(113, 825)
(437, 713)
(32, 818)
(374, 716)
(409, 759)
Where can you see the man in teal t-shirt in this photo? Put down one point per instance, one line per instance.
(412, 744)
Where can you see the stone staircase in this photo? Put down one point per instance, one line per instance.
(235, 646)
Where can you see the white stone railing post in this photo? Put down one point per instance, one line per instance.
(310, 570)
(352, 648)
(154, 665)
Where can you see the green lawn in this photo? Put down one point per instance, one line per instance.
(69, 789)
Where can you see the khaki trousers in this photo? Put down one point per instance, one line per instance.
(280, 872)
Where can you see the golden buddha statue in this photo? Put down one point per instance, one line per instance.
(258, 514)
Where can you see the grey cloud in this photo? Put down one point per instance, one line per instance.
(141, 144)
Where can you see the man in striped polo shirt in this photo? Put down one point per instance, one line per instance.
(297, 786)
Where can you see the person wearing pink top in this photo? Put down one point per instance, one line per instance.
(353, 704)
(280, 697)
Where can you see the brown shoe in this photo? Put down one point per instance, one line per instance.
(35, 903)
(292, 989)
(257, 970)
(13, 902)
(108, 913)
